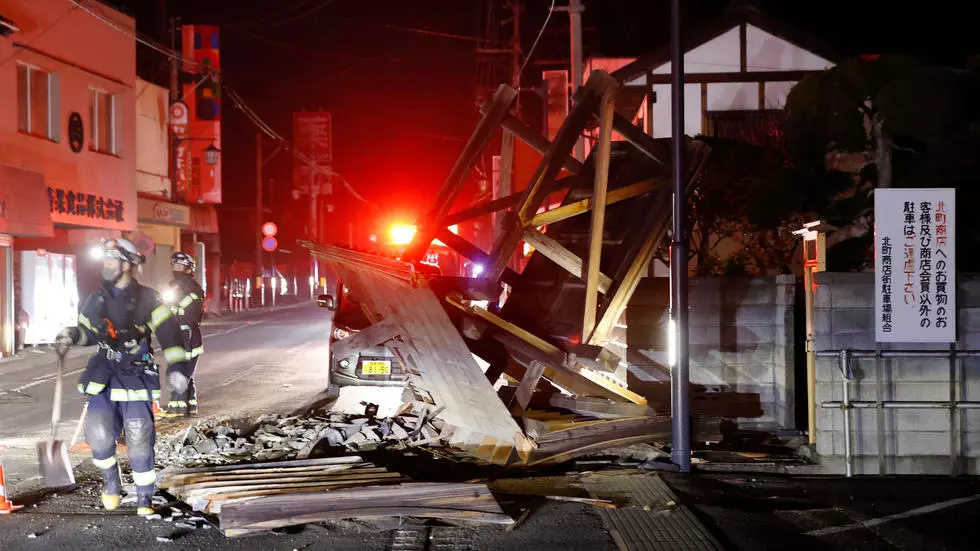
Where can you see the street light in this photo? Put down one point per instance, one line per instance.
(211, 154)
(814, 260)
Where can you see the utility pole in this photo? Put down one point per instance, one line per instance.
(258, 206)
(505, 181)
(575, 9)
(679, 374)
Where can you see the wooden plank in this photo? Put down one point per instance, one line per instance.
(543, 181)
(224, 485)
(557, 253)
(599, 408)
(432, 221)
(570, 210)
(224, 477)
(370, 336)
(526, 388)
(168, 481)
(430, 500)
(345, 460)
(592, 261)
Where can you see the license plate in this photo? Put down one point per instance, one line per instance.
(376, 367)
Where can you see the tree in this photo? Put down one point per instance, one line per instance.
(927, 112)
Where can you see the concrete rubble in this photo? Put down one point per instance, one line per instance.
(279, 437)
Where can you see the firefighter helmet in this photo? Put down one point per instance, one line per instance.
(183, 259)
(122, 249)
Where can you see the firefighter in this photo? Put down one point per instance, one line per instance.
(122, 380)
(186, 299)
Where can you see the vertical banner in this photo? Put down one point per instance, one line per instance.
(202, 96)
(915, 265)
(313, 138)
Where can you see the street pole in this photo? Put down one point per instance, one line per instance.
(258, 210)
(679, 376)
(506, 176)
(575, 9)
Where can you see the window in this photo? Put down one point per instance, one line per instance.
(102, 116)
(37, 102)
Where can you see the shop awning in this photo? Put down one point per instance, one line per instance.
(24, 207)
(204, 219)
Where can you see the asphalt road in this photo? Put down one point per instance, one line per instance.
(273, 361)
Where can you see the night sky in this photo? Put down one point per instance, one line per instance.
(404, 102)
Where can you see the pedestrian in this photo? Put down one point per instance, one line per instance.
(186, 299)
(122, 380)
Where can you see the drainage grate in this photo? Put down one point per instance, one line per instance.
(651, 518)
(436, 538)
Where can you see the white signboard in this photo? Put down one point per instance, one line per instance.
(915, 265)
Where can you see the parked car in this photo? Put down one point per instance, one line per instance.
(375, 366)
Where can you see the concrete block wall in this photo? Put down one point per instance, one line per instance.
(741, 340)
(916, 441)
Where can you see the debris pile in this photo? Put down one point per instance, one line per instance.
(278, 437)
(251, 498)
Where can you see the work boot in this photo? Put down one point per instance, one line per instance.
(192, 411)
(144, 504)
(174, 411)
(111, 488)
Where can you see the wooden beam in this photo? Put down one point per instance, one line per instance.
(542, 184)
(565, 212)
(537, 142)
(636, 136)
(555, 252)
(747, 76)
(474, 253)
(370, 336)
(496, 205)
(532, 375)
(593, 260)
(517, 331)
(430, 223)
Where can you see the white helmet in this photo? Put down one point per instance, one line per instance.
(123, 249)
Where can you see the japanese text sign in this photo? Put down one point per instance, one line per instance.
(915, 265)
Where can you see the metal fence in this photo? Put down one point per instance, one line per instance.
(953, 404)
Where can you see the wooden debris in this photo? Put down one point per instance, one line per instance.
(446, 501)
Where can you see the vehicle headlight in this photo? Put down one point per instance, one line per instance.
(340, 334)
(344, 363)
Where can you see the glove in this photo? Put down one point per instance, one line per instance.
(133, 346)
(67, 337)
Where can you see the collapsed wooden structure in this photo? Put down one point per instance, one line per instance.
(549, 337)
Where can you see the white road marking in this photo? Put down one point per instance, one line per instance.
(897, 516)
(233, 329)
(44, 379)
(240, 375)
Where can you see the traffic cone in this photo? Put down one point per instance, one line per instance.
(6, 507)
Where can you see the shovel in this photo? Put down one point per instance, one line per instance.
(53, 454)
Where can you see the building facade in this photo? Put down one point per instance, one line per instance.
(67, 156)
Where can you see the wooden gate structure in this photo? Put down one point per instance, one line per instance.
(549, 337)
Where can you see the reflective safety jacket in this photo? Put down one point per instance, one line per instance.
(188, 308)
(121, 322)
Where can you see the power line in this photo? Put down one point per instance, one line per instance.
(135, 35)
(534, 44)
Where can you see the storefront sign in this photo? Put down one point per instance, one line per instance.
(915, 265)
(159, 212)
(88, 205)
